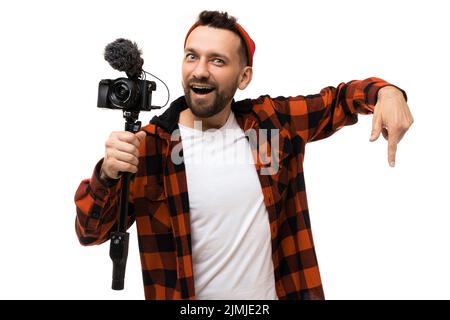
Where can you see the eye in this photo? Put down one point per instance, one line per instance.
(218, 61)
(190, 56)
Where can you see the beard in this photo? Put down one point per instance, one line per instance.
(216, 101)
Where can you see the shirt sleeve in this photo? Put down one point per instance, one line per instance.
(97, 203)
(318, 116)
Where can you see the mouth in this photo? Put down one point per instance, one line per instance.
(202, 89)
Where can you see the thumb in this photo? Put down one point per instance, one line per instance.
(140, 135)
(376, 128)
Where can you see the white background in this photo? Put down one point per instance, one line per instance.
(380, 232)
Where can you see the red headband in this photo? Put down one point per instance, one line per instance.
(249, 43)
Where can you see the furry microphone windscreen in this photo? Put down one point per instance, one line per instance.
(124, 55)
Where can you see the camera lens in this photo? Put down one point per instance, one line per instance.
(122, 92)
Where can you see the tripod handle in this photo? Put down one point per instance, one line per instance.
(118, 252)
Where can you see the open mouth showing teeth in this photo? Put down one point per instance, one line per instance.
(202, 89)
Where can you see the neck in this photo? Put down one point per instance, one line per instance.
(187, 119)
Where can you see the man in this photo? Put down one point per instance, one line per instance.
(212, 229)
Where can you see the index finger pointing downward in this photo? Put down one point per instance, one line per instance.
(392, 149)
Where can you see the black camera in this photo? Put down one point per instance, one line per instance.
(132, 94)
(126, 94)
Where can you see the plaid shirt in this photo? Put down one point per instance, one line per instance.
(159, 201)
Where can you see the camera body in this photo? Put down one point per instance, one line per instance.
(125, 94)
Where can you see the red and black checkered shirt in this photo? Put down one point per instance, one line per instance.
(159, 201)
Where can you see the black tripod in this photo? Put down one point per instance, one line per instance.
(119, 239)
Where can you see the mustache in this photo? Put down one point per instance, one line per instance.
(201, 82)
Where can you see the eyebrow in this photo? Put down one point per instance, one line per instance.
(211, 54)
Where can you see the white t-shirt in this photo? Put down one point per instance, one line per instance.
(231, 241)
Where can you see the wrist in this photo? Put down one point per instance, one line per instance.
(389, 92)
(105, 177)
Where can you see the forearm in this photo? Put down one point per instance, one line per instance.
(318, 116)
(96, 205)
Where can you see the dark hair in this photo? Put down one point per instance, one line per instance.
(221, 20)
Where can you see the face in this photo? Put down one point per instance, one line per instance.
(212, 70)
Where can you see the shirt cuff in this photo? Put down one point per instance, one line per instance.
(101, 187)
(374, 87)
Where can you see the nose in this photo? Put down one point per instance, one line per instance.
(201, 70)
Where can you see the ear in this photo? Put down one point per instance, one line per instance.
(245, 77)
